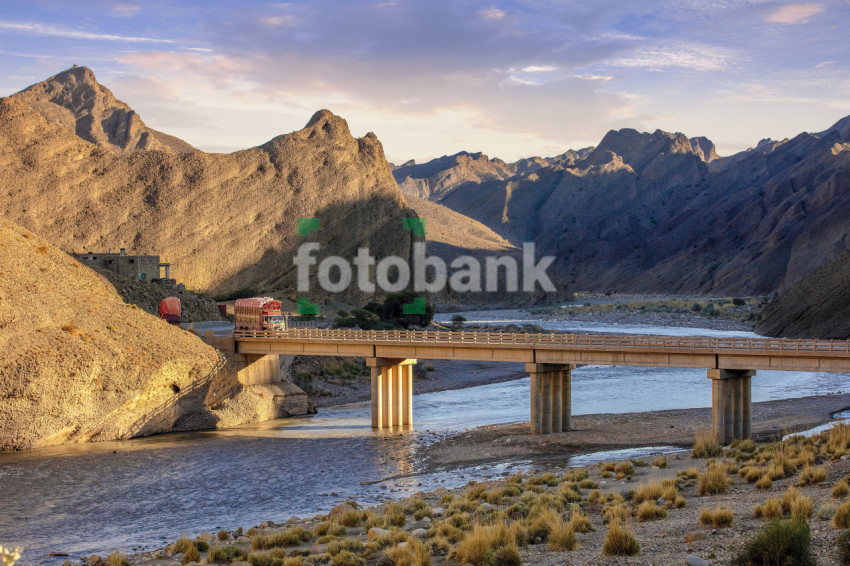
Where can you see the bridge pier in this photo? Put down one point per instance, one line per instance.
(551, 397)
(392, 391)
(731, 404)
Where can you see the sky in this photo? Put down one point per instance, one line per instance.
(510, 78)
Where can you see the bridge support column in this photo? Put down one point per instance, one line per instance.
(551, 409)
(731, 404)
(392, 392)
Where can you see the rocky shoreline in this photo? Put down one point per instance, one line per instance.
(675, 507)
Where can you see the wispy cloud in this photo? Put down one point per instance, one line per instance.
(691, 56)
(493, 13)
(57, 31)
(795, 13)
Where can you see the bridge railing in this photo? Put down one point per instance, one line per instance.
(758, 346)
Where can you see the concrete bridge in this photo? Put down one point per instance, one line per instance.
(549, 359)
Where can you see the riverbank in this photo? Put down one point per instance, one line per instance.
(666, 507)
(602, 432)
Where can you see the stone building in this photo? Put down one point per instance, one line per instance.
(145, 268)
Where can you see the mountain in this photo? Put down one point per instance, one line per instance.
(78, 363)
(74, 100)
(227, 223)
(660, 212)
(434, 179)
(817, 306)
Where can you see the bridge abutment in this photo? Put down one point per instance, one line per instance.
(551, 397)
(392, 391)
(731, 404)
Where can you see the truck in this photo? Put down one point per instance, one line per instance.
(170, 310)
(259, 313)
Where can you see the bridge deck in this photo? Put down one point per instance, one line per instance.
(605, 349)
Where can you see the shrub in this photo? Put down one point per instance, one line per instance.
(414, 553)
(117, 559)
(739, 302)
(223, 535)
(802, 509)
(840, 491)
(812, 476)
(705, 445)
(769, 509)
(507, 555)
(476, 547)
(826, 512)
(594, 497)
(624, 470)
(648, 492)
(660, 462)
(226, 554)
(346, 558)
(714, 481)
(579, 522)
(620, 541)
(719, 518)
(457, 322)
(843, 544)
(781, 542)
(349, 544)
(649, 511)
(289, 537)
(191, 555)
(841, 520)
(561, 535)
(764, 482)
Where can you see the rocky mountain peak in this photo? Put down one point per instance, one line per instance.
(75, 100)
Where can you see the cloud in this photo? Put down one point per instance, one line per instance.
(57, 31)
(123, 10)
(690, 56)
(539, 69)
(492, 13)
(795, 13)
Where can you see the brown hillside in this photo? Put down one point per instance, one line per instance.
(817, 306)
(224, 222)
(78, 363)
(75, 100)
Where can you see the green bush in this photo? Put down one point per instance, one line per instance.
(780, 543)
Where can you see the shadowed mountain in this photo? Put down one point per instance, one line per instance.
(817, 306)
(661, 212)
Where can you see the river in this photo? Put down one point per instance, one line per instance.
(110, 496)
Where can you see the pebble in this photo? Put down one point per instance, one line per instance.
(419, 533)
(438, 511)
(692, 560)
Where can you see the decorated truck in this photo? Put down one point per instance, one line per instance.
(170, 310)
(258, 313)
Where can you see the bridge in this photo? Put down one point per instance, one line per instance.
(549, 359)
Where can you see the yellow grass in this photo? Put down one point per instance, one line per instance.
(705, 445)
(715, 480)
(620, 541)
(649, 511)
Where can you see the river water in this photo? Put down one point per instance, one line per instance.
(110, 496)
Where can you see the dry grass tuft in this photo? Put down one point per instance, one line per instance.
(769, 509)
(649, 511)
(660, 462)
(579, 521)
(117, 559)
(620, 541)
(841, 519)
(705, 445)
(648, 492)
(715, 480)
(812, 476)
(720, 517)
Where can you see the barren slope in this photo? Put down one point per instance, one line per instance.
(224, 222)
(78, 363)
(817, 306)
